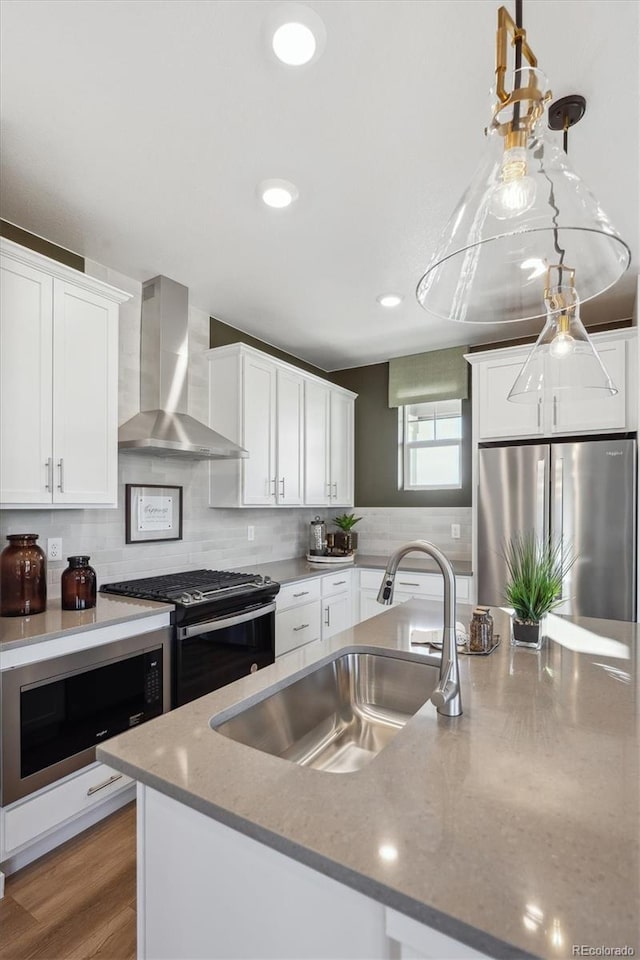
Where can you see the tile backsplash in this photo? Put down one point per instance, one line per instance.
(383, 529)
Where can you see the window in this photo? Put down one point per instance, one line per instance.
(430, 446)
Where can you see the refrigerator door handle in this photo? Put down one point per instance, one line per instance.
(558, 508)
(541, 499)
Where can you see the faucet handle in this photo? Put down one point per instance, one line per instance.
(445, 689)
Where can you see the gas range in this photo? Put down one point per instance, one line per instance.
(224, 625)
(200, 594)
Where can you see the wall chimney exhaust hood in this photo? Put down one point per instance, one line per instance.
(163, 428)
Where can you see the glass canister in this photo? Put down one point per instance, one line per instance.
(317, 537)
(79, 586)
(23, 577)
(481, 630)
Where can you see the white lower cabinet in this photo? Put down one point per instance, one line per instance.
(296, 911)
(26, 820)
(408, 586)
(298, 626)
(336, 615)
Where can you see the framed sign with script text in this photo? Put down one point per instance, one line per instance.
(152, 512)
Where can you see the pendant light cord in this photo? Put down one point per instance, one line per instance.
(518, 64)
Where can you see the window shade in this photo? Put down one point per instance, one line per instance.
(424, 377)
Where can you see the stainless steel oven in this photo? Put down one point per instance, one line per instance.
(55, 711)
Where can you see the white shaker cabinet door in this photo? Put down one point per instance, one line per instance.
(259, 470)
(596, 412)
(336, 615)
(290, 405)
(26, 331)
(85, 396)
(499, 417)
(316, 444)
(341, 458)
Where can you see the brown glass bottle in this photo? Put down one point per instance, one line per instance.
(23, 577)
(78, 585)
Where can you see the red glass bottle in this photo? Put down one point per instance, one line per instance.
(23, 577)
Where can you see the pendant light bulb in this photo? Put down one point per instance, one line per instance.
(517, 191)
(561, 345)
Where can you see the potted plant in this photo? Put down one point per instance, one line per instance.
(346, 540)
(536, 571)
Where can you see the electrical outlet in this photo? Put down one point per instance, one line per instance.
(251, 533)
(455, 531)
(54, 548)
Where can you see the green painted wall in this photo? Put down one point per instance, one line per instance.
(376, 454)
(47, 249)
(221, 334)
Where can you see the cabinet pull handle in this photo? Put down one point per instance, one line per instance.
(539, 412)
(303, 626)
(105, 783)
(555, 411)
(282, 485)
(335, 489)
(327, 622)
(302, 593)
(273, 484)
(407, 583)
(338, 583)
(329, 490)
(49, 468)
(61, 469)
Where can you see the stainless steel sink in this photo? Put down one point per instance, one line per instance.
(338, 717)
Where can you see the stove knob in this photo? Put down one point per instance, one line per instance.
(186, 598)
(197, 595)
(266, 579)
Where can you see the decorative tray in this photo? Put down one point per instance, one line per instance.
(344, 559)
(480, 653)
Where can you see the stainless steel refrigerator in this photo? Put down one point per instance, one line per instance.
(583, 492)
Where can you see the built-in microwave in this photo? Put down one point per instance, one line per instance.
(55, 712)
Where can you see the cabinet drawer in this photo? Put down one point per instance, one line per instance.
(336, 583)
(297, 626)
(295, 594)
(416, 584)
(38, 814)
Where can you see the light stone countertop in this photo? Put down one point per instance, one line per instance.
(299, 568)
(56, 622)
(515, 825)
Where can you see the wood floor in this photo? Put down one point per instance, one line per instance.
(78, 901)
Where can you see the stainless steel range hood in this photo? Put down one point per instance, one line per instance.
(163, 428)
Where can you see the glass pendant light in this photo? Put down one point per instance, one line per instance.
(524, 207)
(563, 362)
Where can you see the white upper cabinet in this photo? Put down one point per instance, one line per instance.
(299, 438)
(317, 485)
(496, 418)
(341, 449)
(59, 384)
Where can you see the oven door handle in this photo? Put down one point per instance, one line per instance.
(209, 626)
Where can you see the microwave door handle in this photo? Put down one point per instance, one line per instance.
(210, 626)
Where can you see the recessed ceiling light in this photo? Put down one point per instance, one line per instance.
(278, 193)
(390, 299)
(294, 44)
(294, 33)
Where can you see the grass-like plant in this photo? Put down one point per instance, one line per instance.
(346, 521)
(537, 570)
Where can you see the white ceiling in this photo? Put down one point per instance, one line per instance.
(136, 132)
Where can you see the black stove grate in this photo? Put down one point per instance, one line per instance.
(172, 585)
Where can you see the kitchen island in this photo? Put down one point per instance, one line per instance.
(510, 831)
